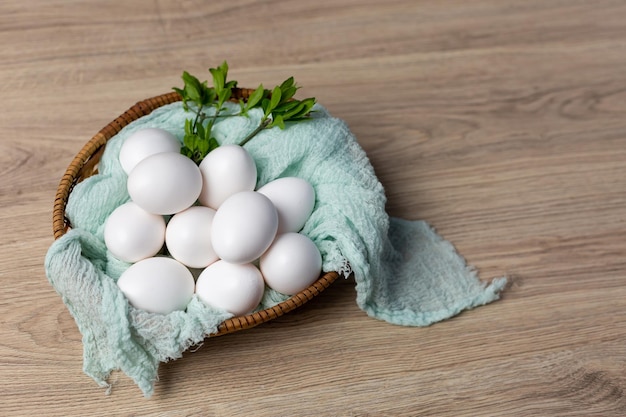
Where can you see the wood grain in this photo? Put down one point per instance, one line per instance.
(500, 122)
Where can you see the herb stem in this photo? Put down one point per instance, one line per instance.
(252, 134)
(195, 121)
(218, 109)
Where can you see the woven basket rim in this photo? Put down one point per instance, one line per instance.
(84, 164)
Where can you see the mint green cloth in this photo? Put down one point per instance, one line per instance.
(404, 272)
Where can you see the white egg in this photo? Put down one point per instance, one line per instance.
(236, 288)
(165, 183)
(294, 199)
(244, 227)
(145, 142)
(188, 237)
(291, 264)
(157, 285)
(132, 234)
(227, 170)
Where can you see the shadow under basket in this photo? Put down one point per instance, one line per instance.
(85, 164)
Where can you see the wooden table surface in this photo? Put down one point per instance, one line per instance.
(502, 123)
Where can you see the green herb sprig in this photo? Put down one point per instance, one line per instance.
(279, 107)
(198, 140)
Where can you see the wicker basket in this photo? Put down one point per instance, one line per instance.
(85, 164)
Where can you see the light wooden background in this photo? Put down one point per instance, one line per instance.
(502, 123)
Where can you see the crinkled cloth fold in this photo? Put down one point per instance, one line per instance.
(405, 273)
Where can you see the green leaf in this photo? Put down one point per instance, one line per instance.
(255, 97)
(265, 105)
(213, 144)
(200, 130)
(224, 68)
(208, 129)
(288, 83)
(218, 79)
(294, 111)
(285, 107)
(188, 128)
(277, 121)
(275, 99)
(193, 87)
(189, 79)
(192, 92)
(288, 94)
(179, 91)
(300, 119)
(310, 102)
(303, 109)
(219, 76)
(190, 141)
(207, 95)
(288, 88)
(203, 147)
(224, 96)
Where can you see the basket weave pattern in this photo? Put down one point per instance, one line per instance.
(85, 164)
